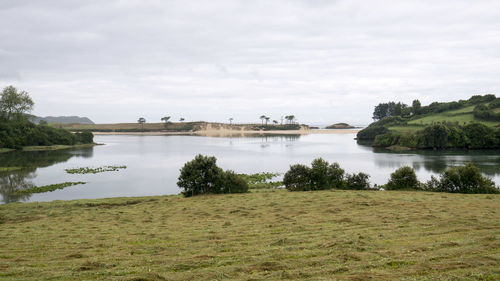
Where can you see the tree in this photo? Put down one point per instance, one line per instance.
(262, 117)
(416, 107)
(275, 122)
(14, 103)
(403, 178)
(181, 119)
(462, 179)
(202, 175)
(267, 119)
(141, 121)
(231, 121)
(298, 178)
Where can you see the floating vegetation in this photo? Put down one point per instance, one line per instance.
(47, 188)
(88, 170)
(10, 169)
(261, 180)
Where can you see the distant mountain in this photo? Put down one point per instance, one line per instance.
(63, 120)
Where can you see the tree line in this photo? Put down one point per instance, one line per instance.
(17, 131)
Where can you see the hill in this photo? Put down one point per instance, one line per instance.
(264, 235)
(62, 120)
(458, 124)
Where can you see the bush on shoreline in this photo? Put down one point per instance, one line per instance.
(202, 176)
(322, 176)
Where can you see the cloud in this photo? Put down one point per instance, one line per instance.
(324, 61)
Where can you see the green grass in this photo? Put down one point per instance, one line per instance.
(56, 147)
(10, 169)
(461, 119)
(406, 129)
(3, 150)
(47, 188)
(263, 235)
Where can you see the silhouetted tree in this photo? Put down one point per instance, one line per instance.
(141, 121)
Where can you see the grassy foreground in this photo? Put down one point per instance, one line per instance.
(264, 235)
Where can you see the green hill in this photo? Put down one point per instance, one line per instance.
(458, 124)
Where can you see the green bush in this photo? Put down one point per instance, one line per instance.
(335, 176)
(462, 179)
(298, 178)
(357, 181)
(320, 176)
(403, 178)
(202, 176)
(480, 136)
(230, 182)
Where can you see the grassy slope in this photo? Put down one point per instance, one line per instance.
(462, 115)
(267, 235)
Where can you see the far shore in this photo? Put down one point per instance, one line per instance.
(223, 132)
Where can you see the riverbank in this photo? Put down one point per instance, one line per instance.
(263, 235)
(224, 133)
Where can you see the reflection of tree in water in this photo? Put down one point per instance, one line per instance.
(488, 161)
(11, 182)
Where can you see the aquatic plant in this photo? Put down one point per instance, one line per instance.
(261, 180)
(89, 170)
(48, 188)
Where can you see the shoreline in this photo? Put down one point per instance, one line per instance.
(222, 133)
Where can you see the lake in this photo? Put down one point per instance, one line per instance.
(153, 162)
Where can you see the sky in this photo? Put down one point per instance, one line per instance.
(322, 61)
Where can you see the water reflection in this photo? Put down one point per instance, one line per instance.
(29, 162)
(437, 161)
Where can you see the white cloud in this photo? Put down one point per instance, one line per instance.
(324, 61)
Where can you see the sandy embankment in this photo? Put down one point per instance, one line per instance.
(223, 132)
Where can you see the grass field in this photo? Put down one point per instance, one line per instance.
(56, 147)
(451, 116)
(263, 235)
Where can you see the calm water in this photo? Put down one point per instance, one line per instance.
(153, 162)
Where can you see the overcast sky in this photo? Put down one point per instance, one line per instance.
(323, 61)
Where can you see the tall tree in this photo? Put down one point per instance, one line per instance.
(165, 119)
(262, 117)
(231, 121)
(141, 121)
(181, 119)
(267, 119)
(14, 103)
(416, 107)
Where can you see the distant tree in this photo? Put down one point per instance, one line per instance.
(275, 122)
(181, 119)
(43, 122)
(262, 118)
(267, 119)
(416, 107)
(141, 121)
(165, 119)
(231, 121)
(290, 118)
(14, 103)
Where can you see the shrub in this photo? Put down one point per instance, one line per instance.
(357, 181)
(480, 136)
(230, 182)
(298, 178)
(403, 178)
(202, 176)
(463, 179)
(319, 174)
(335, 176)
(84, 137)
